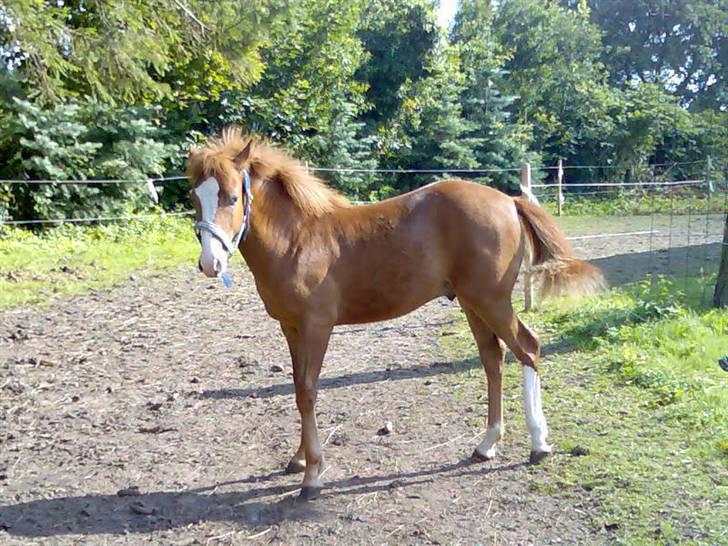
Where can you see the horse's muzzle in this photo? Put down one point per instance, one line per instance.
(212, 268)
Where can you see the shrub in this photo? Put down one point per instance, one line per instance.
(83, 141)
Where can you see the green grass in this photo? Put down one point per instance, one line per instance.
(638, 202)
(632, 377)
(662, 223)
(37, 268)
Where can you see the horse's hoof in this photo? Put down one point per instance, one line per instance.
(480, 457)
(310, 492)
(538, 456)
(295, 466)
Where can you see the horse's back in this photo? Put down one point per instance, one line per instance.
(423, 244)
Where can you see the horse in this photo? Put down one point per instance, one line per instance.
(318, 262)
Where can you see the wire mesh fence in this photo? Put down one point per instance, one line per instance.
(675, 231)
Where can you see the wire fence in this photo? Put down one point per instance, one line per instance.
(451, 170)
(72, 182)
(94, 219)
(673, 235)
(152, 182)
(673, 239)
(664, 240)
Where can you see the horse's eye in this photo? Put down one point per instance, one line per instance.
(232, 200)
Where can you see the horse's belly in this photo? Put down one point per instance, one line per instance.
(383, 304)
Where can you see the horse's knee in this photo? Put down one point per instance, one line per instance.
(305, 398)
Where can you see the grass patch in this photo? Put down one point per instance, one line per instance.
(38, 267)
(636, 202)
(632, 378)
(661, 223)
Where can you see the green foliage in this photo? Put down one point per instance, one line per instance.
(680, 45)
(428, 130)
(142, 53)
(399, 37)
(553, 68)
(650, 337)
(645, 404)
(80, 141)
(632, 202)
(499, 141)
(357, 85)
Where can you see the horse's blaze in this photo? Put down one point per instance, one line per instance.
(213, 258)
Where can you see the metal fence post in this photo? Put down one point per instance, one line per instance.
(560, 181)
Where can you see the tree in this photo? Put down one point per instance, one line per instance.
(681, 45)
(553, 68)
(141, 53)
(428, 131)
(500, 142)
(720, 297)
(82, 141)
(398, 36)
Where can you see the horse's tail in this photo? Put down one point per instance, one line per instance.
(552, 257)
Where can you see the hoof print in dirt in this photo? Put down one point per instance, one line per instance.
(131, 491)
(309, 493)
(294, 467)
(142, 509)
(538, 456)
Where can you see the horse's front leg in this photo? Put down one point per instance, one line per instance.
(298, 461)
(310, 348)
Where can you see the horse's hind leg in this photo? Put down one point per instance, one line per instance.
(492, 355)
(525, 346)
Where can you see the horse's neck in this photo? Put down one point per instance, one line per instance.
(277, 227)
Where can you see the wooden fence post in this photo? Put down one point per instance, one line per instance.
(527, 278)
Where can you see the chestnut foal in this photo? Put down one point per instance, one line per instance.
(319, 262)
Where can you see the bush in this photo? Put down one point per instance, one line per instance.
(83, 141)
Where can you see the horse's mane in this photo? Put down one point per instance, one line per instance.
(307, 192)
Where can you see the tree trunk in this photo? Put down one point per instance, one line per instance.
(720, 299)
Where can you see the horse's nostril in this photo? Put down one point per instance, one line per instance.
(199, 265)
(217, 266)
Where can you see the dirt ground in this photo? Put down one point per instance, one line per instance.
(162, 412)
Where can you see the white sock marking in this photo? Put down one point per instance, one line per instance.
(487, 446)
(535, 418)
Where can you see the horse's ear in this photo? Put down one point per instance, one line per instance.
(244, 156)
(191, 150)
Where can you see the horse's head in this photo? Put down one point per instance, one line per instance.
(221, 196)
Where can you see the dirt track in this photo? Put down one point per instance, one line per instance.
(172, 385)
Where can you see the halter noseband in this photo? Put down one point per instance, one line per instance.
(219, 234)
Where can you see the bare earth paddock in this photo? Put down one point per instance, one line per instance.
(182, 389)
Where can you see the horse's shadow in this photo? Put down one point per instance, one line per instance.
(258, 506)
(364, 378)
(346, 380)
